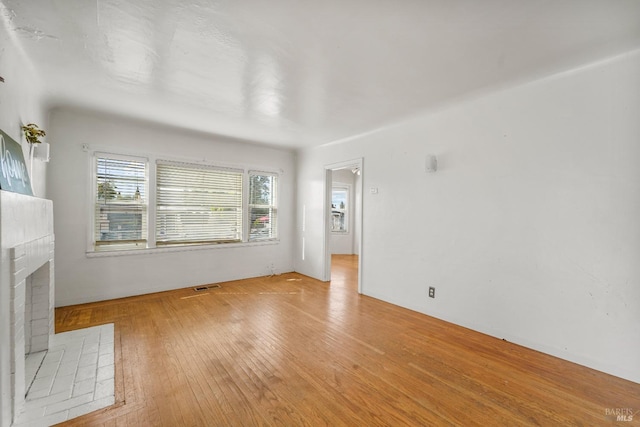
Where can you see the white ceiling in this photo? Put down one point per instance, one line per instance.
(301, 73)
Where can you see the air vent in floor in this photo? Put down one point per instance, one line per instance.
(206, 287)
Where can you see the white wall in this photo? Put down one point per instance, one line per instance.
(529, 230)
(19, 104)
(80, 278)
(343, 243)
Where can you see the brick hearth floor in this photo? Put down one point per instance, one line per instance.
(76, 377)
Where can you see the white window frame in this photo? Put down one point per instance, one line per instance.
(113, 247)
(150, 182)
(273, 207)
(347, 209)
(195, 167)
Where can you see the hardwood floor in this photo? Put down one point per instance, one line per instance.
(292, 351)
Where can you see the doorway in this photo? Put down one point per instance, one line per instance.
(343, 214)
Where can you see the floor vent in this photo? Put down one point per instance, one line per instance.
(206, 287)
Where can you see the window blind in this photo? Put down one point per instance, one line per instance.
(197, 204)
(120, 201)
(263, 208)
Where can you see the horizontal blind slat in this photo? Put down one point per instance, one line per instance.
(120, 205)
(197, 204)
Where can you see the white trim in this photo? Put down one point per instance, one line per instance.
(151, 207)
(199, 165)
(179, 248)
(326, 225)
(120, 156)
(262, 172)
(93, 187)
(275, 197)
(246, 224)
(91, 200)
(328, 184)
(345, 164)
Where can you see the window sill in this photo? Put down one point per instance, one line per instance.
(181, 248)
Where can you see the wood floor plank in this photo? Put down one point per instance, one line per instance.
(289, 350)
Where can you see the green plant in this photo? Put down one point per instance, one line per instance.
(32, 133)
(106, 190)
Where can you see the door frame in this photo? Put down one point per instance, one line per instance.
(358, 226)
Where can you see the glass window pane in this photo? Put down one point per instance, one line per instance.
(120, 215)
(263, 209)
(339, 209)
(197, 204)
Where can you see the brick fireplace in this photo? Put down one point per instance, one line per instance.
(26, 292)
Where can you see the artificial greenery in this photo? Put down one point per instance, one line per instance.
(32, 133)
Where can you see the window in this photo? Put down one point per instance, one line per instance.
(141, 203)
(120, 202)
(339, 209)
(263, 209)
(197, 204)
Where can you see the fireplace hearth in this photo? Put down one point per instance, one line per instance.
(68, 374)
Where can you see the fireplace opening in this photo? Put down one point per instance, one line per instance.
(32, 312)
(36, 322)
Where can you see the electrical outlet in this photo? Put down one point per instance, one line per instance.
(432, 292)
